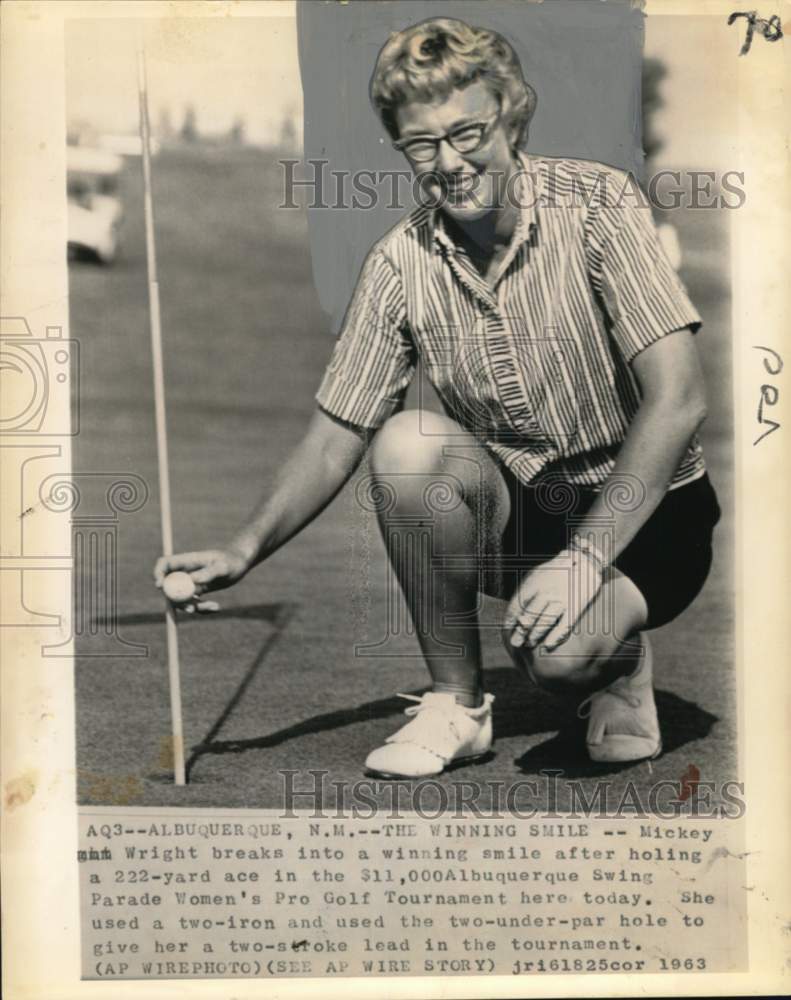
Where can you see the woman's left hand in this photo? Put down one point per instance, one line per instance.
(551, 599)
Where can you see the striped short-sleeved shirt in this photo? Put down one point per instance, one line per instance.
(535, 363)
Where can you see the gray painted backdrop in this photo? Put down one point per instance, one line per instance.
(582, 57)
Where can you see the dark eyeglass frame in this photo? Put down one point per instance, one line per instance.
(486, 126)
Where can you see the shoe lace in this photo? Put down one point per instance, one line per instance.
(586, 707)
(425, 716)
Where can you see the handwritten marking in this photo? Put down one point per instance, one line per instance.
(770, 394)
(770, 29)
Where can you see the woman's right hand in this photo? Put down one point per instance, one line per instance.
(315, 472)
(210, 569)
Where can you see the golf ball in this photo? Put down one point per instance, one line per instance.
(179, 587)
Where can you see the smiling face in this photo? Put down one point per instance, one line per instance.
(468, 185)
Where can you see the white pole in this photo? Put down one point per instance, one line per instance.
(161, 425)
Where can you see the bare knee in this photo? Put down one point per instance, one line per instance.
(439, 466)
(559, 670)
(410, 441)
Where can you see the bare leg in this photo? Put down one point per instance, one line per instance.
(443, 479)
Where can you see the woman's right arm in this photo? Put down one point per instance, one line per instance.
(311, 477)
(375, 327)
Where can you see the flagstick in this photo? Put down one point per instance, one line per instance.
(161, 425)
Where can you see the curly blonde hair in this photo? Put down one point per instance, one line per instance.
(430, 59)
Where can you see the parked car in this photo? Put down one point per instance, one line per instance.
(95, 209)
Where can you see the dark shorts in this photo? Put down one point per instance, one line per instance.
(668, 559)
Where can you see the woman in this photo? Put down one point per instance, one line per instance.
(559, 340)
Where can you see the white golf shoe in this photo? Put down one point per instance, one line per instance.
(622, 720)
(441, 732)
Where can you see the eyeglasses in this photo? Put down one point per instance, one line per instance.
(465, 139)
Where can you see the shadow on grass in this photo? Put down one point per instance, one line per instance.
(316, 724)
(681, 722)
(519, 710)
(272, 613)
(278, 616)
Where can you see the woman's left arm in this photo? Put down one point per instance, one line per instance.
(672, 407)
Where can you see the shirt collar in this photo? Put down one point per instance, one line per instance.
(526, 189)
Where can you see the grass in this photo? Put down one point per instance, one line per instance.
(272, 682)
